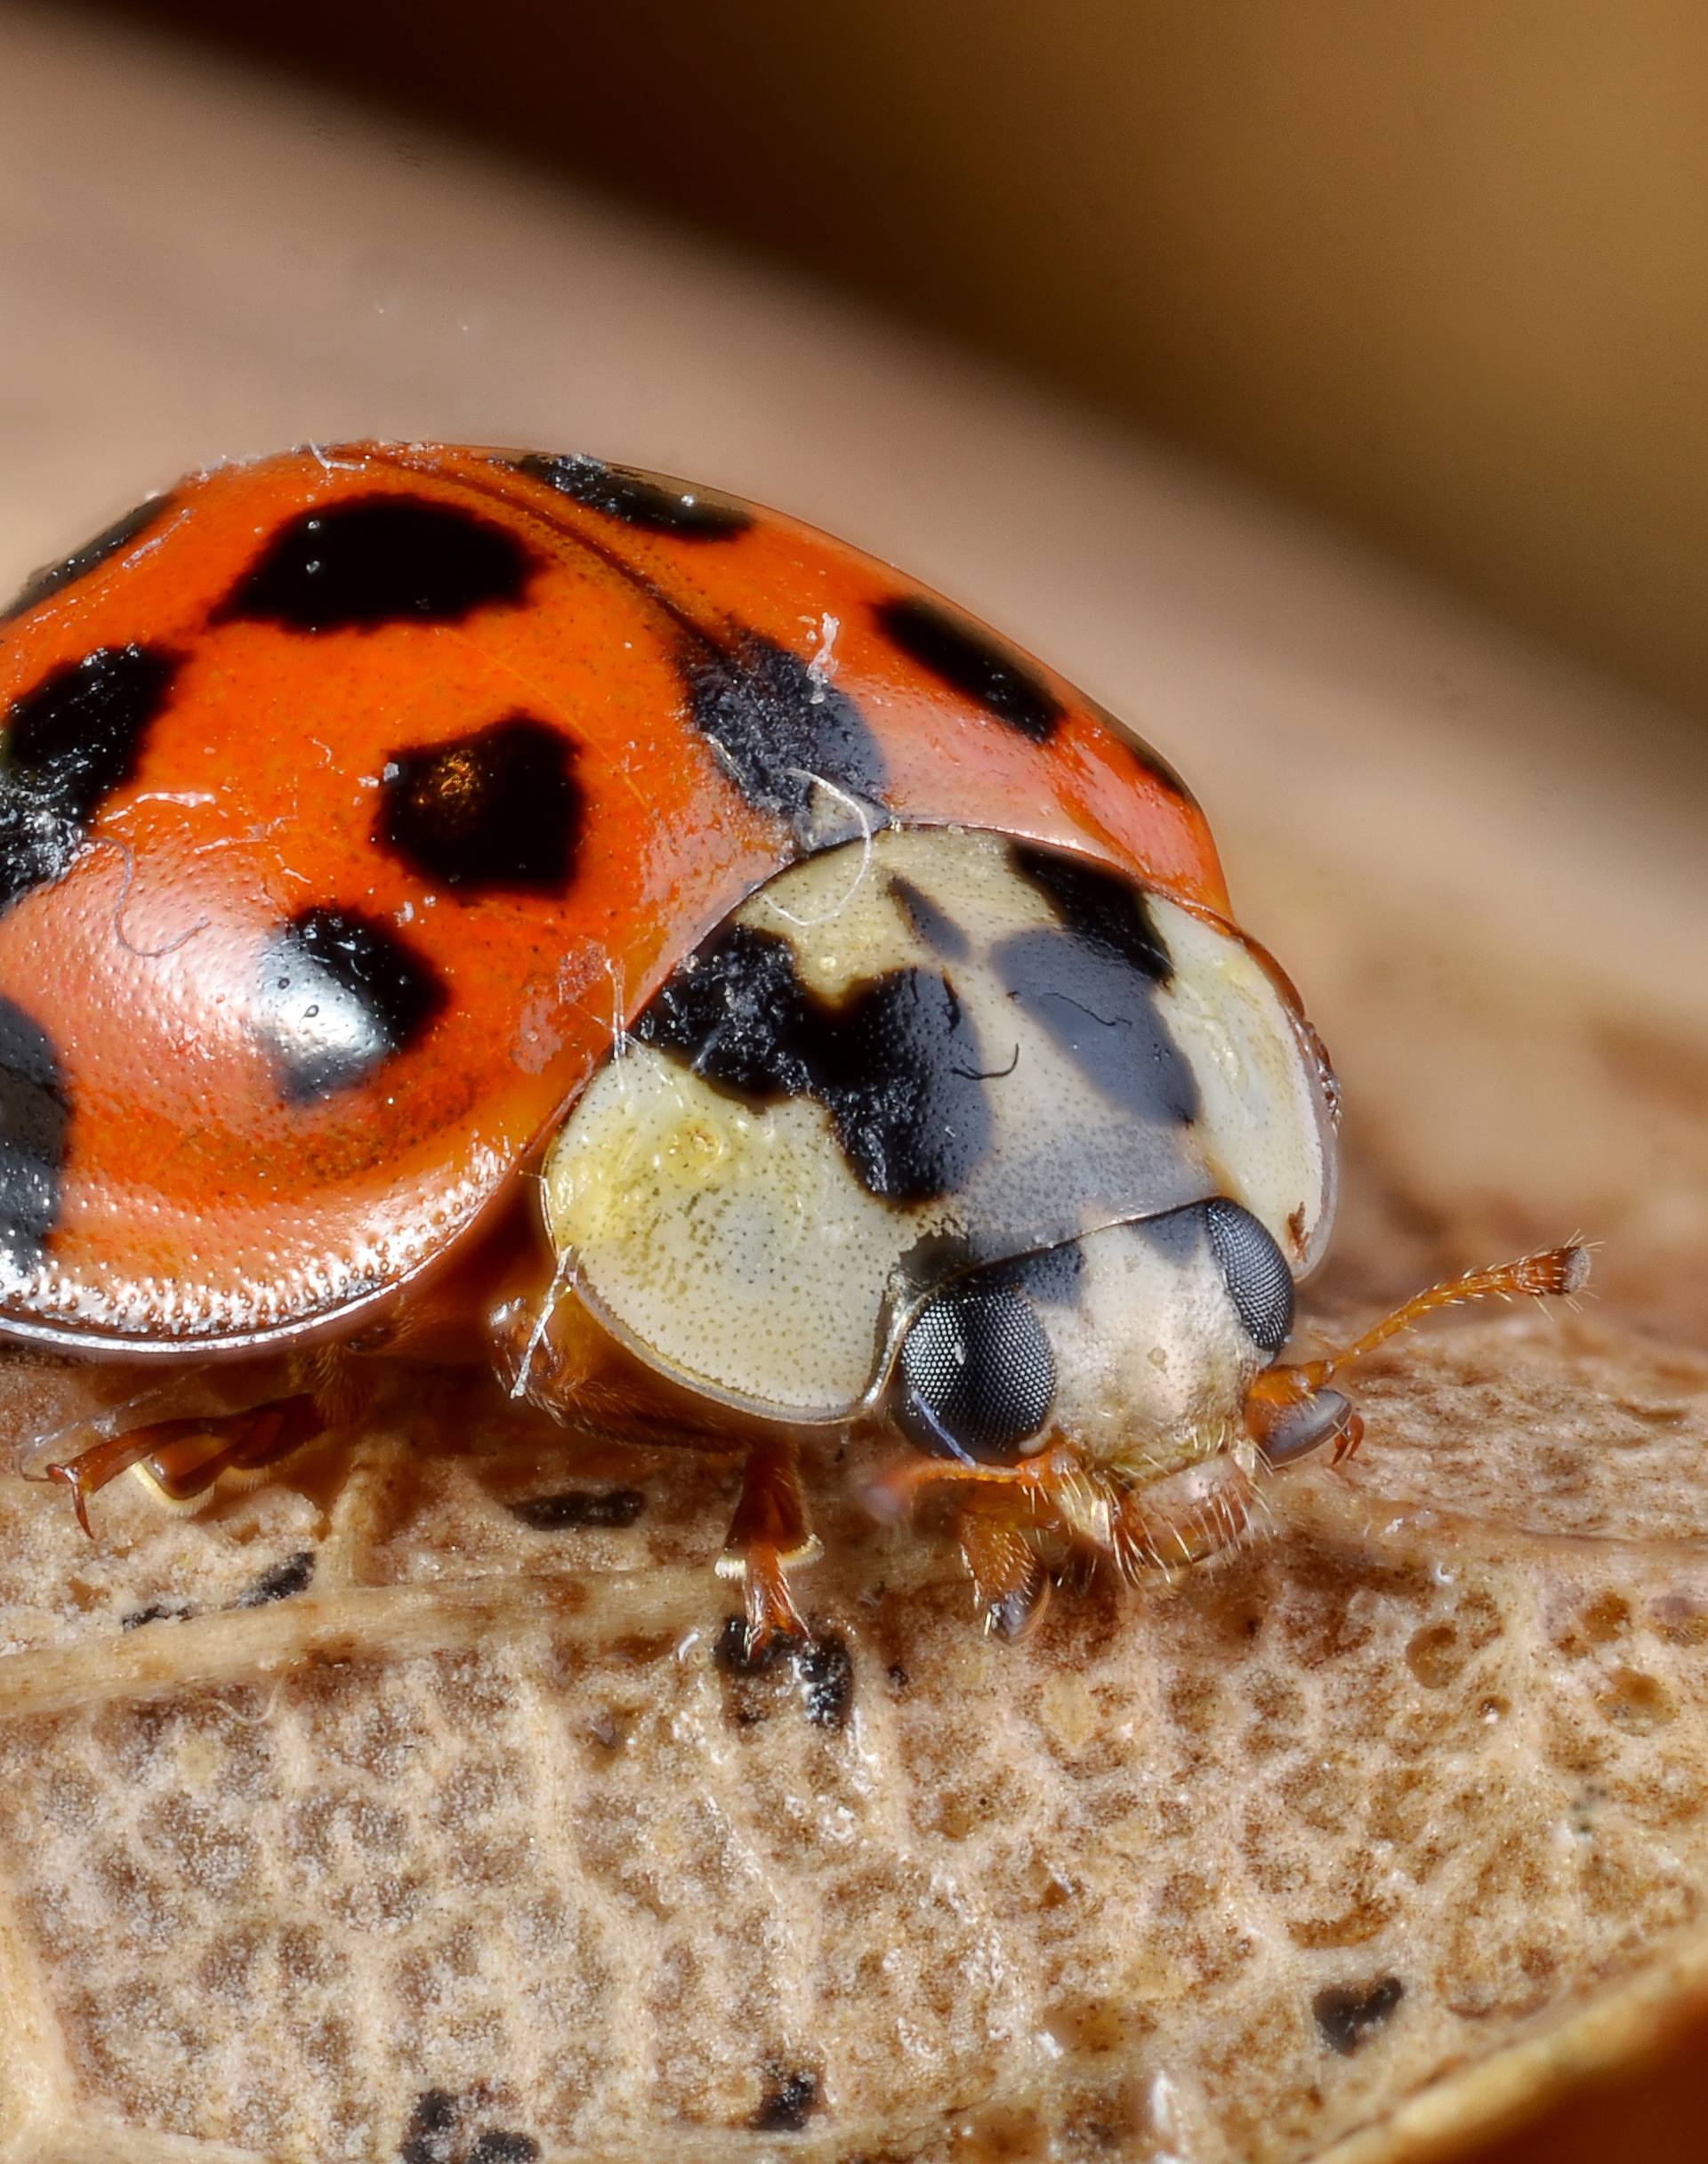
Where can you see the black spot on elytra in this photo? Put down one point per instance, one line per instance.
(35, 1115)
(157, 1611)
(896, 1062)
(498, 809)
(374, 560)
(638, 499)
(971, 660)
(1148, 765)
(1346, 2013)
(1091, 986)
(776, 728)
(439, 2132)
(68, 744)
(284, 1579)
(56, 577)
(602, 1509)
(791, 2097)
(339, 995)
(931, 921)
(1259, 1282)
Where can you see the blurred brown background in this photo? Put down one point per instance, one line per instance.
(1438, 271)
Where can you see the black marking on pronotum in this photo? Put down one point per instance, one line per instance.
(54, 578)
(1099, 905)
(972, 660)
(1259, 1282)
(1346, 2013)
(499, 809)
(1054, 1275)
(581, 1509)
(339, 995)
(931, 921)
(638, 499)
(1091, 985)
(284, 1579)
(375, 560)
(34, 1114)
(776, 728)
(68, 744)
(895, 1061)
(789, 2100)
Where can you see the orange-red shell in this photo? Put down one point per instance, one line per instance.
(162, 1186)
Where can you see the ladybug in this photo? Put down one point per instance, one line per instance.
(463, 904)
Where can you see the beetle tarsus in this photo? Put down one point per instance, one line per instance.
(768, 1534)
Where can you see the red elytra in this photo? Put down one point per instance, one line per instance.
(306, 628)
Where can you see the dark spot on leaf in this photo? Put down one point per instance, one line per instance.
(284, 1579)
(730, 1652)
(497, 2147)
(432, 2127)
(790, 2101)
(579, 1509)
(1347, 2013)
(440, 2132)
(826, 1673)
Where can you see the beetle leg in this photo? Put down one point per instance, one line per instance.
(1184, 1517)
(90, 1470)
(181, 1459)
(768, 1535)
(1010, 1581)
(1033, 1480)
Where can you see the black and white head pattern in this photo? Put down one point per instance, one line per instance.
(901, 1059)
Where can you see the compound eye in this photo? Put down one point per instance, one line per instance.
(978, 1375)
(1259, 1282)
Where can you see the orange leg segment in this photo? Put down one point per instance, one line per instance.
(768, 1534)
(183, 1458)
(1290, 1410)
(1010, 1578)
